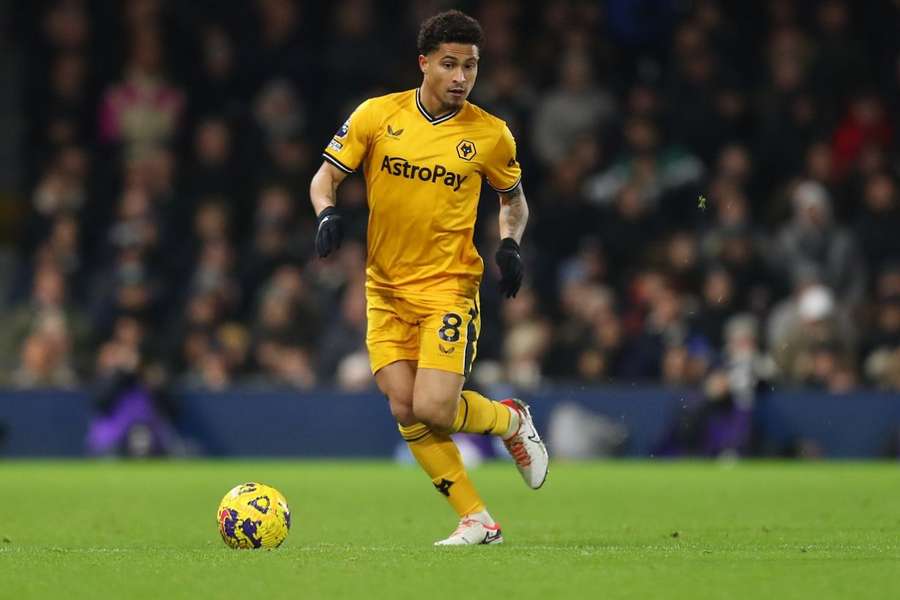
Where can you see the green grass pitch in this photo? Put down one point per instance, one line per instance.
(364, 530)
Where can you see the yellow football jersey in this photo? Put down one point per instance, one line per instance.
(423, 179)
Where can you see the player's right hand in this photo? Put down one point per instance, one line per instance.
(330, 232)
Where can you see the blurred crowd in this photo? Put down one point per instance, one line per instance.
(713, 189)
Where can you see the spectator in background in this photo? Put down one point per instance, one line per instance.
(717, 305)
(865, 126)
(887, 283)
(217, 89)
(627, 229)
(351, 46)
(288, 162)
(278, 111)
(587, 266)
(694, 88)
(749, 368)
(136, 225)
(272, 242)
(813, 240)
(509, 94)
(285, 327)
(65, 116)
(812, 350)
(587, 342)
(682, 261)
(60, 190)
(213, 170)
(63, 45)
(658, 172)
(732, 242)
(67, 26)
(143, 109)
(63, 248)
(663, 327)
(576, 107)
(730, 239)
(152, 169)
(282, 47)
(46, 336)
(215, 356)
(194, 341)
(732, 211)
(788, 118)
(133, 258)
(527, 340)
(44, 361)
(882, 338)
(212, 222)
(882, 363)
(839, 64)
(878, 225)
(819, 166)
(133, 409)
(713, 424)
(344, 344)
(735, 167)
(127, 286)
(567, 226)
(214, 274)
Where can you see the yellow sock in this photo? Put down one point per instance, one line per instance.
(477, 414)
(438, 456)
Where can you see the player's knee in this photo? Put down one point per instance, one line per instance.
(436, 415)
(399, 391)
(402, 409)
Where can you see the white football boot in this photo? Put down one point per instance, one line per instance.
(526, 447)
(472, 532)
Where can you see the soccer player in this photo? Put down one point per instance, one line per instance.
(424, 154)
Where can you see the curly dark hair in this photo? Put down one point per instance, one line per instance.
(449, 27)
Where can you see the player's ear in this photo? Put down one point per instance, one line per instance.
(423, 63)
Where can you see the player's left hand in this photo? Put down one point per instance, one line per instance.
(511, 269)
(330, 232)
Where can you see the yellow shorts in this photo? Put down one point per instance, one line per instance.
(439, 332)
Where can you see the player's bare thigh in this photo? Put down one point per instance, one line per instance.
(436, 397)
(397, 381)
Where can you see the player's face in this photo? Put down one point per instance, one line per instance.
(450, 73)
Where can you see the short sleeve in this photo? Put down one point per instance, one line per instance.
(350, 143)
(501, 168)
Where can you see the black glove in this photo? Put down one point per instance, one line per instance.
(330, 232)
(510, 262)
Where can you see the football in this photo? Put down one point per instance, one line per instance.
(253, 516)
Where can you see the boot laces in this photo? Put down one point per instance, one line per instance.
(518, 451)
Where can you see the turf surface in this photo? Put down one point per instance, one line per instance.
(364, 530)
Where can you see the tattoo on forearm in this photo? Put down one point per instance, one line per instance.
(513, 213)
(514, 194)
